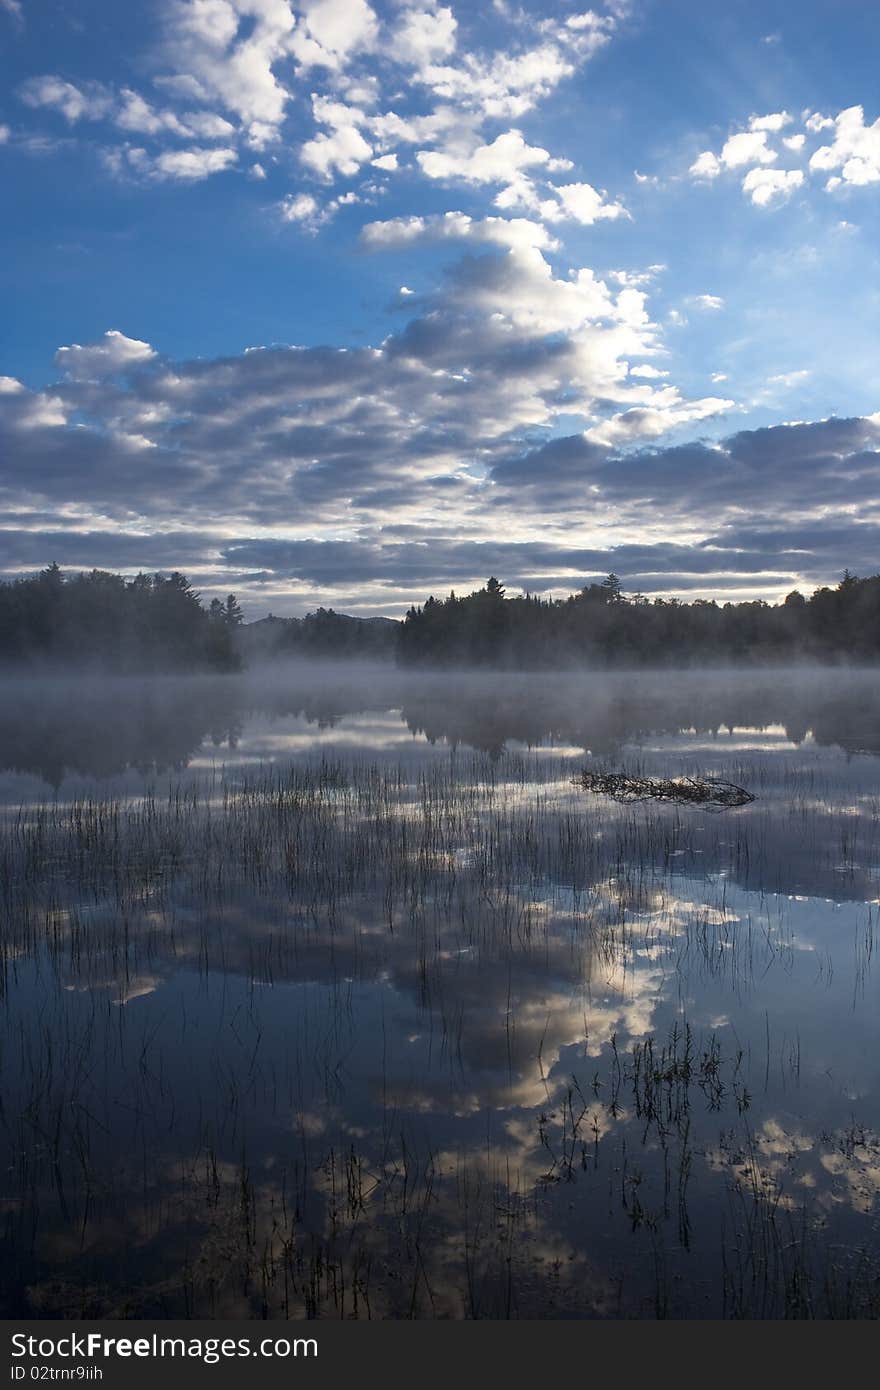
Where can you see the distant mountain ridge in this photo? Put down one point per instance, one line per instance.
(322, 633)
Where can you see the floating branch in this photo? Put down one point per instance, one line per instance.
(701, 791)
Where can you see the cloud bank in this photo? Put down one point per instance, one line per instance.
(378, 473)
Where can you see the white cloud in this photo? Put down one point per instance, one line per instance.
(183, 86)
(649, 423)
(499, 162)
(206, 125)
(596, 332)
(775, 121)
(708, 301)
(260, 134)
(747, 147)
(344, 150)
(128, 110)
(231, 65)
(425, 36)
(591, 23)
(455, 226)
(114, 353)
(299, 207)
(637, 278)
(74, 103)
(4, 134)
(705, 166)
(332, 32)
(852, 157)
(855, 150)
(390, 128)
(213, 21)
(186, 166)
(305, 210)
(582, 203)
(361, 90)
(223, 53)
(765, 186)
(193, 164)
(505, 85)
(33, 410)
(207, 54)
(136, 114)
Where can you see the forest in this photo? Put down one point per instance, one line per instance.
(97, 619)
(602, 625)
(160, 623)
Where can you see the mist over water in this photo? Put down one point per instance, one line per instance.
(71, 732)
(328, 992)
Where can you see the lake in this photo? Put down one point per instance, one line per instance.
(330, 992)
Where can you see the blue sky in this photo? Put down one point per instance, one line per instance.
(339, 302)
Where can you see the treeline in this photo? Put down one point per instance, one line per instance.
(157, 622)
(601, 625)
(151, 622)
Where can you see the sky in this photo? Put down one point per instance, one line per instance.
(344, 303)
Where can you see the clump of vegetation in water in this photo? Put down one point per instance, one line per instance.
(703, 791)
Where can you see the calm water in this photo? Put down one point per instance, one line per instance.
(330, 994)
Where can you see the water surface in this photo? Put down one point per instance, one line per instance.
(330, 993)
